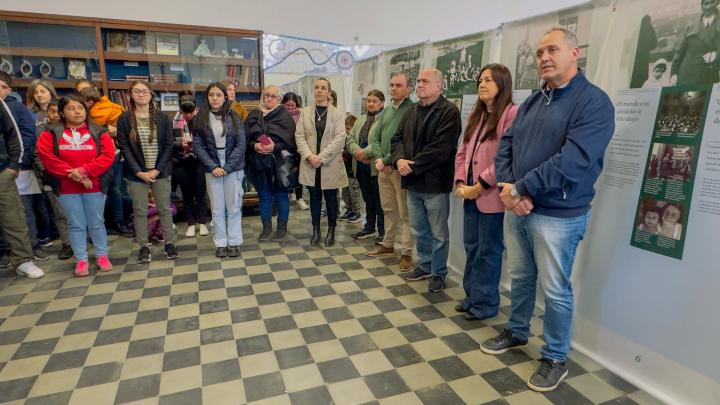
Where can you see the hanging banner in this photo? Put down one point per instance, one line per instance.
(407, 61)
(364, 80)
(666, 193)
(520, 38)
(460, 63)
(678, 44)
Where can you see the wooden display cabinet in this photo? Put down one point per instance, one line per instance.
(112, 53)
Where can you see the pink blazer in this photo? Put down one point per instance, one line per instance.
(483, 162)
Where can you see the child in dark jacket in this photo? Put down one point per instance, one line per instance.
(153, 215)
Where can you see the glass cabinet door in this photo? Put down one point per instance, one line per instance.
(58, 53)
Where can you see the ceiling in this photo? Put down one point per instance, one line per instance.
(344, 22)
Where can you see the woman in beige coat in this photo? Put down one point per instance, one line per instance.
(320, 137)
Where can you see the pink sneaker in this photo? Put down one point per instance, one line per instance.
(81, 268)
(104, 263)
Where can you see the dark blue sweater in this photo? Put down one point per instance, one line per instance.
(554, 151)
(25, 120)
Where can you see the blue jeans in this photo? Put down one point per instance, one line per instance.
(269, 192)
(428, 213)
(84, 214)
(226, 198)
(115, 195)
(541, 247)
(483, 240)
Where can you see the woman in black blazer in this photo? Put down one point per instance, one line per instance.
(146, 141)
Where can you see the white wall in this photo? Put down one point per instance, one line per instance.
(340, 21)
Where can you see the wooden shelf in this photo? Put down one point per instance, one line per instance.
(147, 57)
(58, 84)
(123, 85)
(50, 53)
(100, 56)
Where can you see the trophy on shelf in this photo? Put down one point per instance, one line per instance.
(6, 66)
(45, 69)
(76, 69)
(202, 49)
(26, 68)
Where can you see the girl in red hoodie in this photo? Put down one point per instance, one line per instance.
(78, 154)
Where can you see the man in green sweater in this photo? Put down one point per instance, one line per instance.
(393, 198)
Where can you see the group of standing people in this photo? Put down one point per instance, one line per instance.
(82, 149)
(525, 175)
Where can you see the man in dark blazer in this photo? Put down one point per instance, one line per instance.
(697, 60)
(423, 152)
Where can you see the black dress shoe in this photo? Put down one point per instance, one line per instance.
(221, 252)
(460, 308)
(469, 316)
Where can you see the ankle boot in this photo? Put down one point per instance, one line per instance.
(281, 231)
(315, 240)
(330, 238)
(266, 232)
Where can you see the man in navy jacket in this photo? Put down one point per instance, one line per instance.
(12, 217)
(547, 165)
(35, 211)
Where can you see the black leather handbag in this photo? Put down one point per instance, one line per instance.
(287, 167)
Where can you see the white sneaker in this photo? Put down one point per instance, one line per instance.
(29, 270)
(303, 206)
(190, 231)
(204, 230)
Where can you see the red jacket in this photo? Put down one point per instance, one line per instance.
(483, 162)
(77, 149)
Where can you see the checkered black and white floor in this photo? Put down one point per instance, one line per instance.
(286, 323)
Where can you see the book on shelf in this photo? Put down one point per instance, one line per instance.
(136, 42)
(121, 97)
(234, 73)
(167, 44)
(150, 43)
(163, 78)
(117, 41)
(246, 77)
(136, 77)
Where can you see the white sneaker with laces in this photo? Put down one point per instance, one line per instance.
(204, 230)
(29, 270)
(303, 206)
(190, 231)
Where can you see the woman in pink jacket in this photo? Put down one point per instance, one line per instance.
(491, 117)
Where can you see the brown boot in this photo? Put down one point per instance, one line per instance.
(406, 263)
(379, 251)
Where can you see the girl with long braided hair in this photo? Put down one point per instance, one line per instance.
(146, 141)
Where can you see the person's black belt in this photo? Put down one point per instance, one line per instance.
(220, 148)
